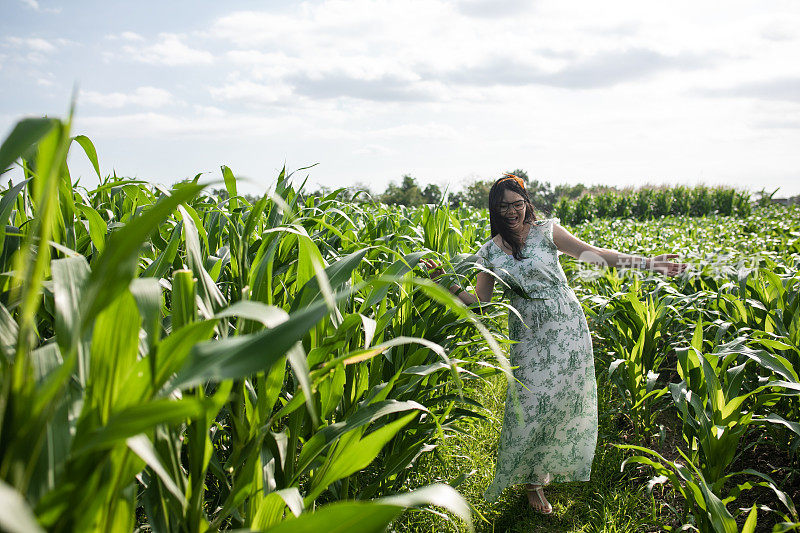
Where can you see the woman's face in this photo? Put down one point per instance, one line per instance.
(512, 209)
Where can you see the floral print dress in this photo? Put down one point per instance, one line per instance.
(550, 425)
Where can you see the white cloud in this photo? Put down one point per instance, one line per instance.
(781, 30)
(785, 89)
(209, 111)
(429, 130)
(493, 8)
(34, 4)
(385, 51)
(250, 92)
(169, 50)
(387, 88)
(155, 125)
(130, 36)
(36, 50)
(148, 97)
(374, 149)
(447, 88)
(34, 44)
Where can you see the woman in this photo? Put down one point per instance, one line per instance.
(552, 437)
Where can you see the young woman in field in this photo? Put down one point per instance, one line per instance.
(554, 438)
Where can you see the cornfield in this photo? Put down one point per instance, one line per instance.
(181, 363)
(717, 351)
(176, 361)
(649, 204)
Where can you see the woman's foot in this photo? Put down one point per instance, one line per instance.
(537, 500)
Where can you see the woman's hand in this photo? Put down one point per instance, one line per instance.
(434, 270)
(663, 264)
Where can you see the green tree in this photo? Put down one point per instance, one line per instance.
(456, 199)
(570, 191)
(520, 174)
(477, 193)
(432, 194)
(407, 193)
(541, 194)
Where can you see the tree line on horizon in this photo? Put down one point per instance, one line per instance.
(573, 204)
(410, 192)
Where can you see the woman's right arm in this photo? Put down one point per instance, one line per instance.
(484, 284)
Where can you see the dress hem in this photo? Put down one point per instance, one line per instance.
(490, 490)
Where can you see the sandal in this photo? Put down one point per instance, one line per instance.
(537, 501)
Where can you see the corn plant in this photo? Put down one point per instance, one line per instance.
(704, 510)
(712, 401)
(189, 362)
(634, 330)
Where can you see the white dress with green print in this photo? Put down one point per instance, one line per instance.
(551, 437)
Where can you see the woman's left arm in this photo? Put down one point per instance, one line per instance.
(569, 244)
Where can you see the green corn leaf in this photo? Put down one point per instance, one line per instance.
(752, 517)
(241, 356)
(8, 333)
(208, 289)
(713, 387)
(90, 151)
(230, 185)
(268, 315)
(115, 345)
(69, 276)
(375, 515)
(184, 308)
(146, 378)
(32, 260)
(141, 446)
(397, 269)
(175, 348)
(437, 494)
(776, 363)
(147, 295)
(114, 269)
(97, 226)
(51, 373)
(25, 134)
(719, 515)
(337, 273)
(254, 216)
(296, 357)
(794, 427)
(697, 337)
(161, 265)
(355, 456)
(6, 206)
(134, 420)
(344, 517)
(770, 483)
(324, 438)
(270, 511)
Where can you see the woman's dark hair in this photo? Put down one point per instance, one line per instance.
(498, 222)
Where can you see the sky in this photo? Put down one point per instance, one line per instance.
(621, 93)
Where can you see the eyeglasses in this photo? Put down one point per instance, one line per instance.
(519, 205)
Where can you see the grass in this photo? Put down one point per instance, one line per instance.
(612, 501)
